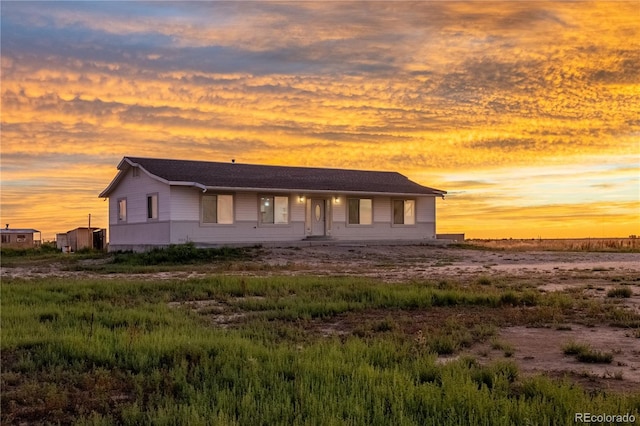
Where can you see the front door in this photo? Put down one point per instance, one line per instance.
(317, 217)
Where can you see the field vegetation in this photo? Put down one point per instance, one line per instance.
(284, 350)
(631, 244)
(178, 256)
(584, 353)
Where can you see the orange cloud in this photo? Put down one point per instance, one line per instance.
(463, 96)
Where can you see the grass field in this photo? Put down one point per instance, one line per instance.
(304, 349)
(561, 244)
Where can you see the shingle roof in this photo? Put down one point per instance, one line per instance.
(236, 175)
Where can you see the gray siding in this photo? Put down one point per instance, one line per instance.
(384, 231)
(135, 190)
(239, 232)
(179, 218)
(246, 207)
(426, 210)
(154, 233)
(382, 209)
(185, 203)
(382, 228)
(245, 228)
(297, 208)
(138, 229)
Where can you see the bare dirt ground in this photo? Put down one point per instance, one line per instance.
(535, 349)
(401, 263)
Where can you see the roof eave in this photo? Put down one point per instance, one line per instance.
(123, 167)
(435, 193)
(116, 180)
(127, 163)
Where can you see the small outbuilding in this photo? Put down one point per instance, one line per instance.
(19, 237)
(82, 238)
(62, 242)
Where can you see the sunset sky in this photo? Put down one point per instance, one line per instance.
(527, 113)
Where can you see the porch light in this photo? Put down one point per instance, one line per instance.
(336, 200)
(301, 198)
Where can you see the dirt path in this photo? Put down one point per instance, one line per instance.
(427, 262)
(393, 264)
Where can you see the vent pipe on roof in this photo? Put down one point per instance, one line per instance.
(233, 161)
(7, 226)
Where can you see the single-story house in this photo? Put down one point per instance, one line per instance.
(81, 238)
(157, 202)
(18, 238)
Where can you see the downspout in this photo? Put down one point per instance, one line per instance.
(200, 186)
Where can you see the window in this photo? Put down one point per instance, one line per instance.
(217, 209)
(21, 238)
(360, 211)
(6, 238)
(274, 210)
(152, 206)
(122, 210)
(404, 212)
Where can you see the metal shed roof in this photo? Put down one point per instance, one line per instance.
(18, 231)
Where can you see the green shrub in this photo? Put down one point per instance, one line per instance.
(624, 292)
(176, 254)
(574, 348)
(444, 345)
(484, 280)
(595, 357)
(45, 248)
(387, 324)
(584, 353)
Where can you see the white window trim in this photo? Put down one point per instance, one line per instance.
(274, 224)
(217, 223)
(157, 206)
(359, 225)
(415, 214)
(118, 211)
